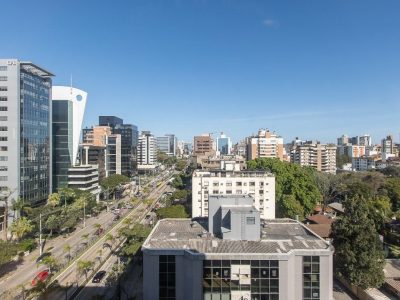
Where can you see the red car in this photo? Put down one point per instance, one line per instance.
(41, 276)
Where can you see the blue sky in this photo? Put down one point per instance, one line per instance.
(313, 69)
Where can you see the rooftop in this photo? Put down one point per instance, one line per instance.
(277, 236)
(35, 69)
(231, 173)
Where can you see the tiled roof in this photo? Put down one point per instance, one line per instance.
(320, 219)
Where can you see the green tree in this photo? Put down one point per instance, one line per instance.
(392, 187)
(7, 251)
(18, 207)
(291, 207)
(67, 249)
(290, 179)
(53, 200)
(52, 222)
(174, 211)
(21, 227)
(358, 252)
(110, 238)
(50, 262)
(84, 266)
(181, 164)
(112, 182)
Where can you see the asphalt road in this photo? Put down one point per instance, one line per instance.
(70, 275)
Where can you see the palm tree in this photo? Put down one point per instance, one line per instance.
(67, 249)
(110, 238)
(20, 227)
(97, 226)
(18, 207)
(84, 266)
(50, 262)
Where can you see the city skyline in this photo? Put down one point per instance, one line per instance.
(173, 62)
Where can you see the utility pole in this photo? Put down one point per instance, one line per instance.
(40, 234)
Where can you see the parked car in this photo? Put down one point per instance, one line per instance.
(99, 276)
(117, 217)
(99, 231)
(41, 276)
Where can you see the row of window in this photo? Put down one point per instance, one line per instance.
(3, 98)
(3, 78)
(238, 183)
(3, 88)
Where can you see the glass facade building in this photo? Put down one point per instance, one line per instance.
(62, 142)
(35, 163)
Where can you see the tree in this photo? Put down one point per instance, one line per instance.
(291, 207)
(290, 179)
(53, 200)
(358, 252)
(174, 211)
(177, 182)
(21, 227)
(392, 187)
(112, 182)
(84, 266)
(50, 262)
(181, 164)
(52, 222)
(7, 251)
(18, 207)
(67, 250)
(86, 238)
(110, 238)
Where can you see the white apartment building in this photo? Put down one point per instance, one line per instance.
(321, 157)
(147, 151)
(258, 184)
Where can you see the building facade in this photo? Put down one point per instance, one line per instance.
(265, 144)
(203, 145)
(68, 111)
(85, 178)
(25, 131)
(321, 157)
(167, 144)
(147, 152)
(224, 144)
(258, 184)
(233, 255)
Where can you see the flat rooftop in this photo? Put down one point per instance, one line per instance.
(277, 236)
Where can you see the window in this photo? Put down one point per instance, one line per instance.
(215, 184)
(250, 220)
(261, 192)
(3, 128)
(229, 184)
(3, 148)
(238, 192)
(3, 88)
(3, 158)
(3, 108)
(228, 192)
(215, 192)
(3, 78)
(311, 278)
(252, 183)
(3, 178)
(3, 68)
(3, 138)
(3, 168)
(3, 118)
(239, 183)
(167, 277)
(3, 98)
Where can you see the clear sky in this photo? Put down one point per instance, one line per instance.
(308, 68)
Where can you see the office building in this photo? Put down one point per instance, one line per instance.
(235, 255)
(224, 144)
(25, 131)
(68, 110)
(321, 157)
(203, 145)
(84, 178)
(265, 144)
(343, 140)
(147, 152)
(129, 141)
(113, 159)
(95, 156)
(240, 148)
(258, 184)
(365, 140)
(167, 144)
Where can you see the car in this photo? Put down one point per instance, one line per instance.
(148, 217)
(41, 276)
(99, 231)
(40, 258)
(117, 217)
(99, 276)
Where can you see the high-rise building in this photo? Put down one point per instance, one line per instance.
(258, 184)
(343, 140)
(265, 144)
(388, 145)
(147, 152)
(25, 131)
(235, 255)
(365, 140)
(321, 157)
(68, 110)
(113, 159)
(129, 141)
(224, 144)
(167, 144)
(203, 145)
